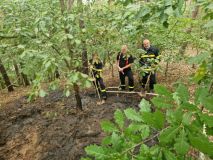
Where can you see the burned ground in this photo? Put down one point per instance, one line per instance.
(51, 128)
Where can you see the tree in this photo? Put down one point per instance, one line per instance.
(179, 122)
(85, 68)
(69, 47)
(189, 30)
(18, 75)
(5, 77)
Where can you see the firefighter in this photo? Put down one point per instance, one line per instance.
(124, 62)
(96, 67)
(148, 61)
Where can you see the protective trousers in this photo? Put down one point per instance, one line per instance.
(149, 78)
(101, 87)
(130, 79)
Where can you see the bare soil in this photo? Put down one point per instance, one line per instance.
(50, 128)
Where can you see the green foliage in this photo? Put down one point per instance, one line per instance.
(164, 100)
(145, 106)
(202, 143)
(107, 126)
(47, 40)
(119, 118)
(168, 135)
(181, 146)
(182, 93)
(131, 114)
(96, 151)
(39, 42)
(155, 119)
(173, 132)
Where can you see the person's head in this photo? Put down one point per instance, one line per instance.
(124, 49)
(146, 44)
(95, 55)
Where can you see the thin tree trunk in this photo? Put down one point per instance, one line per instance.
(211, 87)
(85, 62)
(2, 83)
(26, 81)
(17, 72)
(69, 47)
(69, 4)
(84, 56)
(188, 31)
(6, 77)
(111, 65)
(57, 74)
(24, 77)
(166, 69)
(185, 44)
(50, 77)
(66, 30)
(197, 51)
(77, 97)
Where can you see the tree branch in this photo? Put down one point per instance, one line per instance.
(57, 50)
(144, 141)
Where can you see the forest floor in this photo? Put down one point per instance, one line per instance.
(50, 128)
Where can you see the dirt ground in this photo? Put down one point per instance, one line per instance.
(51, 129)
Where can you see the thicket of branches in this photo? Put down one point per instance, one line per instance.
(52, 40)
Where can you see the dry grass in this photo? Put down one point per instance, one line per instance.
(6, 97)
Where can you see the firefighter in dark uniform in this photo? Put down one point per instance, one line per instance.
(97, 66)
(124, 63)
(148, 61)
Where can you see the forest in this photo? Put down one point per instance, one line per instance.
(55, 105)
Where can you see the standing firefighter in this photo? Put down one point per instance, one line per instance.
(97, 66)
(148, 62)
(124, 62)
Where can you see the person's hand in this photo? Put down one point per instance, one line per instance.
(120, 69)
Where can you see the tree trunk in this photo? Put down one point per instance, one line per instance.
(66, 30)
(69, 4)
(84, 56)
(69, 47)
(2, 83)
(188, 31)
(111, 64)
(77, 97)
(57, 74)
(85, 67)
(51, 77)
(26, 81)
(185, 44)
(18, 75)
(5, 77)
(24, 77)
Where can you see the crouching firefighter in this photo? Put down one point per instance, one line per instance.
(124, 63)
(149, 62)
(96, 67)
